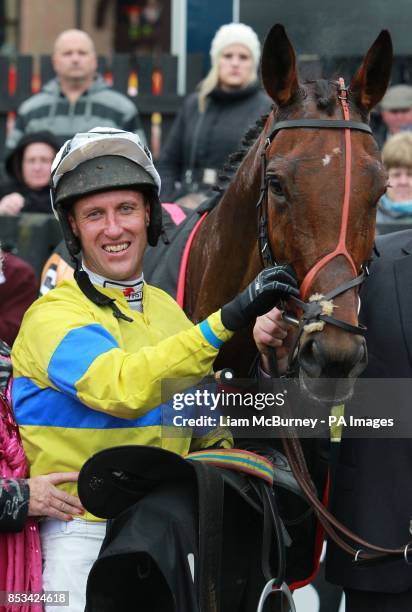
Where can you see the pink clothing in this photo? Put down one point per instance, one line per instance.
(20, 554)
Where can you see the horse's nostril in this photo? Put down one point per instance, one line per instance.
(362, 361)
(317, 362)
(318, 354)
(310, 359)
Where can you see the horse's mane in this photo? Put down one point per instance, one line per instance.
(234, 160)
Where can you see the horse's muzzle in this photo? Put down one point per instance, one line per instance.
(329, 375)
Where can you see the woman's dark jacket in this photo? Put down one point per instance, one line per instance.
(204, 140)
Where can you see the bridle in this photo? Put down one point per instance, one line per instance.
(314, 310)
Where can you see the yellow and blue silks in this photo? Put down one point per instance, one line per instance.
(85, 381)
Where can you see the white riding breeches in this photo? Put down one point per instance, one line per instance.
(69, 551)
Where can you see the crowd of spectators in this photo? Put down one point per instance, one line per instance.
(395, 206)
(208, 128)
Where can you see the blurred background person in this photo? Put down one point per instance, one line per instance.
(28, 168)
(212, 121)
(18, 289)
(396, 112)
(395, 206)
(77, 99)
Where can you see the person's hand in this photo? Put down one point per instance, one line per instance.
(271, 330)
(269, 287)
(47, 500)
(11, 204)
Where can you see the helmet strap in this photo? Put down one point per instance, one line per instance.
(90, 291)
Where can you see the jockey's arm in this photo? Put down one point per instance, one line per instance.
(82, 359)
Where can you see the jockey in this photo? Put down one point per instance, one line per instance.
(91, 354)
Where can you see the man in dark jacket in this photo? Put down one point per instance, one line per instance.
(77, 100)
(373, 496)
(372, 492)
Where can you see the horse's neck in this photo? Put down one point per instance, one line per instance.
(225, 253)
(236, 219)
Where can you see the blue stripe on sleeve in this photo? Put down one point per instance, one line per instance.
(50, 408)
(75, 354)
(210, 335)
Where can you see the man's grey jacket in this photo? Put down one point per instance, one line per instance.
(100, 105)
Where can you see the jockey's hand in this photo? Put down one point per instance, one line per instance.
(271, 330)
(47, 500)
(265, 292)
(11, 204)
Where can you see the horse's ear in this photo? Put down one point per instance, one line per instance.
(372, 78)
(279, 74)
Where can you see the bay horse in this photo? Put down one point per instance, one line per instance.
(305, 194)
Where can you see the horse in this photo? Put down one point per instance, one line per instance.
(303, 194)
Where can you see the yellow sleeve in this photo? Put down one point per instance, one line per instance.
(65, 348)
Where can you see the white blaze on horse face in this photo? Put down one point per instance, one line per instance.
(327, 159)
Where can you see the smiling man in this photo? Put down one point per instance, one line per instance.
(116, 223)
(91, 354)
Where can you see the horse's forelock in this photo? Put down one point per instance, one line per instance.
(326, 96)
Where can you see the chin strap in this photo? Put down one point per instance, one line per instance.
(90, 291)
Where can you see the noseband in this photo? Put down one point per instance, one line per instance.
(318, 310)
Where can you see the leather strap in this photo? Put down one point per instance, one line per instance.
(98, 298)
(210, 492)
(320, 123)
(180, 293)
(341, 248)
(312, 311)
(334, 528)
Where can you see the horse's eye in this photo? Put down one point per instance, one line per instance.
(275, 186)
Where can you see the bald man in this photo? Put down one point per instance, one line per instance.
(77, 99)
(75, 63)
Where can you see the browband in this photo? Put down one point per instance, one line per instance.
(320, 123)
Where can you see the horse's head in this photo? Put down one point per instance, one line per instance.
(322, 186)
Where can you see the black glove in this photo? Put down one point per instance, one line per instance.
(265, 292)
